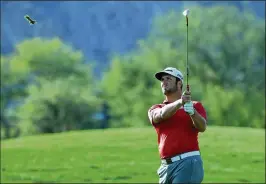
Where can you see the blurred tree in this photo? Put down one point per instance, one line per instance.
(230, 107)
(57, 106)
(35, 61)
(49, 59)
(11, 91)
(106, 115)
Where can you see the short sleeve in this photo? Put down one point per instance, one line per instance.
(151, 111)
(201, 110)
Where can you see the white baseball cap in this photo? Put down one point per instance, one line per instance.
(171, 71)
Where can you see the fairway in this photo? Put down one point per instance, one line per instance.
(128, 155)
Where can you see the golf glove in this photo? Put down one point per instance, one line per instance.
(189, 108)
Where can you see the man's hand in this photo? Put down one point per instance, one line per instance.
(189, 108)
(187, 103)
(186, 97)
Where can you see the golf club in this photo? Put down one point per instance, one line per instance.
(185, 13)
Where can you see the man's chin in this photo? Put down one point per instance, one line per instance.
(166, 92)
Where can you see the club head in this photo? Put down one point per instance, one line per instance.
(32, 22)
(186, 12)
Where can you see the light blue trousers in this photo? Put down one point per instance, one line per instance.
(187, 170)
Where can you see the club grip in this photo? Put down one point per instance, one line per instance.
(188, 88)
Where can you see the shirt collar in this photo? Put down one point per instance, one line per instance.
(166, 102)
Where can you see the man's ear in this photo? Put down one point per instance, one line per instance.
(179, 84)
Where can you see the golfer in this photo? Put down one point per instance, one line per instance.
(177, 121)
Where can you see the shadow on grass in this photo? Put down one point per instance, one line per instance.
(243, 180)
(46, 169)
(94, 167)
(122, 177)
(87, 180)
(117, 178)
(257, 161)
(21, 179)
(48, 182)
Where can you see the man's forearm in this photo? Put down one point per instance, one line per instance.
(170, 109)
(199, 121)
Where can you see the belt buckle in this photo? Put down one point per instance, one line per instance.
(169, 160)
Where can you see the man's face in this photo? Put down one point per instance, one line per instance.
(169, 84)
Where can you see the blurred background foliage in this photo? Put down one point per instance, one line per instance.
(49, 86)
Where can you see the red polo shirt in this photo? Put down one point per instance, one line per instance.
(177, 134)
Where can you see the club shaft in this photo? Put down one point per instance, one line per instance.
(187, 56)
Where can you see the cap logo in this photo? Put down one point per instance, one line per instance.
(178, 75)
(169, 70)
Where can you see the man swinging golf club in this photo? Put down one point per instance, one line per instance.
(177, 121)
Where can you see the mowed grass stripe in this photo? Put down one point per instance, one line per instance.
(229, 154)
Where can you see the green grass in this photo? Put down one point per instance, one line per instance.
(128, 155)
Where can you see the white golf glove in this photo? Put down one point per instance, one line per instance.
(188, 107)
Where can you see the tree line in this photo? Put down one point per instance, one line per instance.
(48, 87)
